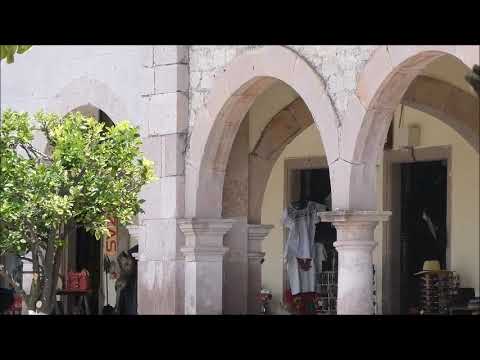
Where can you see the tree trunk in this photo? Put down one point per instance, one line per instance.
(56, 268)
(48, 275)
(35, 288)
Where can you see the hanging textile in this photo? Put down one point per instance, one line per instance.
(300, 249)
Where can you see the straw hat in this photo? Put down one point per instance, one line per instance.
(430, 266)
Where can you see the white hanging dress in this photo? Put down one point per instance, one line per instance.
(300, 244)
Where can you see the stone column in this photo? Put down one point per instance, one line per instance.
(204, 253)
(355, 245)
(163, 106)
(256, 234)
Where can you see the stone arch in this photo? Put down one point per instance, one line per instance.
(279, 132)
(88, 92)
(234, 91)
(451, 105)
(385, 81)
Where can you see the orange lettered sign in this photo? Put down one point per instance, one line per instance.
(111, 242)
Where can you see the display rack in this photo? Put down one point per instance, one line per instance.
(326, 289)
(437, 290)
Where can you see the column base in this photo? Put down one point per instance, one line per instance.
(204, 253)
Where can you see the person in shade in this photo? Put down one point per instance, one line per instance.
(126, 284)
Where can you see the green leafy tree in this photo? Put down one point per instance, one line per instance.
(8, 51)
(90, 173)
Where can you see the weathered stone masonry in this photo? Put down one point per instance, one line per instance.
(189, 101)
(161, 264)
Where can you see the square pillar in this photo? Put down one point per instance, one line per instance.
(204, 253)
(256, 235)
(355, 244)
(163, 106)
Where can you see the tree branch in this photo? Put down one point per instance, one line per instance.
(38, 152)
(30, 156)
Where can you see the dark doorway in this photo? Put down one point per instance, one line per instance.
(88, 251)
(423, 224)
(315, 186)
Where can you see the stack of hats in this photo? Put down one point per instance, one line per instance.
(437, 288)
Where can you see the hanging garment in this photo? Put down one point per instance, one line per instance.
(300, 245)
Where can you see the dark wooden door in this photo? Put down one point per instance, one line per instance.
(423, 190)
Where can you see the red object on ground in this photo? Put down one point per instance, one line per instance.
(303, 303)
(264, 298)
(17, 305)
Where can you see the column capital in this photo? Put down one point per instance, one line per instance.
(204, 238)
(342, 218)
(136, 231)
(254, 256)
(258, 231)
(256, 234)
(210, 227)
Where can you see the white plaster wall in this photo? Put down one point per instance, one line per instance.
(38, 76)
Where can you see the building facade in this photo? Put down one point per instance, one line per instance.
(226, 124)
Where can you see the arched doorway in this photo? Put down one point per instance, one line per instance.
(84, 251)
(287, 164)
(218, 134)
(427, 85)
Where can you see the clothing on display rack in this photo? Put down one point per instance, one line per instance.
(320, 256)
(301, 218)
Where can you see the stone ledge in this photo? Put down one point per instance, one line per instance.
(258, 231)
(355, 245)
(205, 226)
(255, 256)
(354, 216)
(204, 253)
(256, 234)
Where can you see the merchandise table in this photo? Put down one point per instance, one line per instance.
(74, 294)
